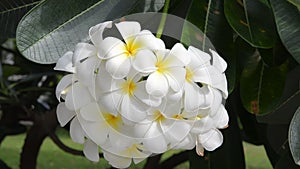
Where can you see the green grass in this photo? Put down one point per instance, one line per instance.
(51, 157)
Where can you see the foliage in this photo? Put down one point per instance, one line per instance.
(259, 39)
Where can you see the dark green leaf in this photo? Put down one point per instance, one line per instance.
(296, 3)
(56, 26)
(11, 11)
(288, 25)
(261, 86)
(245, 17)
(294, 136)
(289, 101)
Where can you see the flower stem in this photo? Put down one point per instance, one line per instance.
(163, 19)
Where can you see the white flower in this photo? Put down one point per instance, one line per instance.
(134, 98)
(165, 69)
(119, 54)
(163, 129)
(126, 96)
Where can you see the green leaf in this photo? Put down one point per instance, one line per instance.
(294, 136)
(11, 12)
(295, 3)
(261, 86)
(56, 26)
(245, 17)
(289, 102)
(288, 25)
(195, 29)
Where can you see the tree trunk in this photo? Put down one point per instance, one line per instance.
(43, 125)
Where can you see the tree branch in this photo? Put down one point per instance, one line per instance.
(152, 162)
(64, 147)
(174, 160)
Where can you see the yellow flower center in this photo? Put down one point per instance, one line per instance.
(189, 75)
(130, 47)
(128, 87)
(112, 120)
(158, 117)
(161, 65)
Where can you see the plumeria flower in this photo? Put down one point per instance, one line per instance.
(201, 72)
(126, 96)
(163, 128)
(119, 54)
(165, 69)
(133, 97)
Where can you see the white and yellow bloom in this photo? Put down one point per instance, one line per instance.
(119, 54)
(133, 97)
(165, 69)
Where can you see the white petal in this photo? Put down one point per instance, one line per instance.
(176, 78)
(90, 150)
(218, 61)
(145, 61)
(175, 130)
(173, 96)
(188, 143)
(128, 29)
(111, 102)
(64, 63)
(91, 112)
(132, 110)
(146, 40)
(203, 125)
(221, 118)
(62, 85)
(82, 51)
(179, 51)
(96, 32)
(154, 139)
(119, 140)
(96, 131)
(198, 58)
(76, 132)
(77, 97)
(143, 96)
(211, 140)
(64, 115)
(111, 47)
(118, 66)
(172, 109)
(117, 161)
(157, 85)
(197, 98)
(217, 101)
(105, 83)
(211, 76)
(86, 73)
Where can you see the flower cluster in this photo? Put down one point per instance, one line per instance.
(132, 97)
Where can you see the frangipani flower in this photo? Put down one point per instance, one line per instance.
(165, 69)
(134, 98)
(201, 71)
(128, 96)
(119, 54)
(163, 128)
